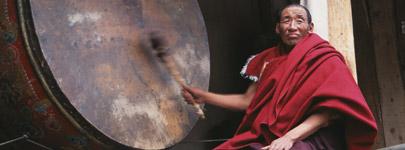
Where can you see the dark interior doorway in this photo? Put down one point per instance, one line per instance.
(236, 30)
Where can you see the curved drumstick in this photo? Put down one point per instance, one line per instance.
(158, 44)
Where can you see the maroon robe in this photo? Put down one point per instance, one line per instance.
(313, 76)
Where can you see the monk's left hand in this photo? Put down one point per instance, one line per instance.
(282, 143)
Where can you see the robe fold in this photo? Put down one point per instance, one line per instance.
(312, 77)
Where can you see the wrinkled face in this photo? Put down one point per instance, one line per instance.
(293, 25)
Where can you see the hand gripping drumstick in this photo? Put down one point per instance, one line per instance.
(159, 46)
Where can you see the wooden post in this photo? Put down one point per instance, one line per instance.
(366, 64)
(388, 70)
(341, 31)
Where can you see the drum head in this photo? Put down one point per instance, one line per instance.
(95, 52)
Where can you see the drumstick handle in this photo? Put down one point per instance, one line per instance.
(171, 67)
(159, 44)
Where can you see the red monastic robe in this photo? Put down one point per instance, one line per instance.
(311, 77)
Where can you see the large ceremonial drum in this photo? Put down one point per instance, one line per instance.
(82, 74)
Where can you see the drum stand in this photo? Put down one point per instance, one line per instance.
(26, 138)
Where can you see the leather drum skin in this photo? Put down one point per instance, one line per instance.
(82, 74)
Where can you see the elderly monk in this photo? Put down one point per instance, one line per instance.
(302, 97)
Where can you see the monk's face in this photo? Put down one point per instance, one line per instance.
(293, 25)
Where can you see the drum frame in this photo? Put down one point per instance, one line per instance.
(48, 83)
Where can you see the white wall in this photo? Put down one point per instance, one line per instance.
(319, 12)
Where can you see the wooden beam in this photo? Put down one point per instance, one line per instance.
(366, 63)
(388, 70)
(396, 147)
(400, 26)
(341, 30)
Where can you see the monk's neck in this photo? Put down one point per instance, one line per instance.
(285, 49)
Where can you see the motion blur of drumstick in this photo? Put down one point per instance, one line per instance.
(159, 45)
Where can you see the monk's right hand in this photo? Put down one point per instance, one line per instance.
(192, 95)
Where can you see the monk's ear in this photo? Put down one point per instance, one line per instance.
(311, 27)
(276, 28)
